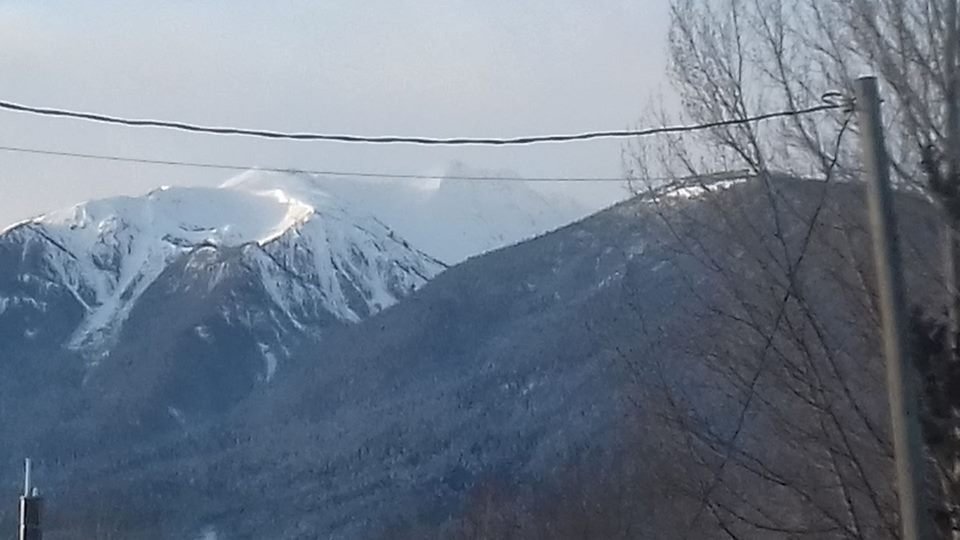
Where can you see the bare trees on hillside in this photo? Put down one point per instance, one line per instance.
(788, 433)
(791, 330)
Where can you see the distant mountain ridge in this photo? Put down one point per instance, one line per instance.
(446, 216)
(383, 239)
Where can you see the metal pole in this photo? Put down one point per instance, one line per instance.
(31, 506)
(27, 484)
(952, 153)
(907, 442)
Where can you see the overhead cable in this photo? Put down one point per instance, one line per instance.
(828, 104)
(318, 172)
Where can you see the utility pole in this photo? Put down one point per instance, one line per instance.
(907, 442)
(31, 506)
(952, 153)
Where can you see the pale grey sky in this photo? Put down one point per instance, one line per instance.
(420, 67)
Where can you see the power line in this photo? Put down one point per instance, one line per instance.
(348, 174)
(669, 182)
(429, 141)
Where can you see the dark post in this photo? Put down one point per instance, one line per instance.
(951, 253)
(907, 443)
(31, 508)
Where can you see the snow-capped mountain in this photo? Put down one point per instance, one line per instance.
(314, 257)
(449, 218)
(175, 305)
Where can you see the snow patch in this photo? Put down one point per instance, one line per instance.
(694, 191)
(203, 332)
(177, 415)
(208, 533)
(270, 361)
(18, 301)
(608, 280)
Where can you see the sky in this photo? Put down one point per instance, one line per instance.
(438, 68)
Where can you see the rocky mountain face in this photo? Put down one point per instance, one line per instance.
(105, 254)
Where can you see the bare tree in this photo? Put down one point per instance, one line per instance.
(786, 427)
(731, 58)
(790, 343)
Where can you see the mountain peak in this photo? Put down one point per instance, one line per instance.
(183, 215)
(317, 254)
(107, 252)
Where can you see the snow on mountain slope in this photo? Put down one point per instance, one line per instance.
(313, 241)
(108, 252)
(449, 219)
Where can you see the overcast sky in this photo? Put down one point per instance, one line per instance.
(411, 67)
